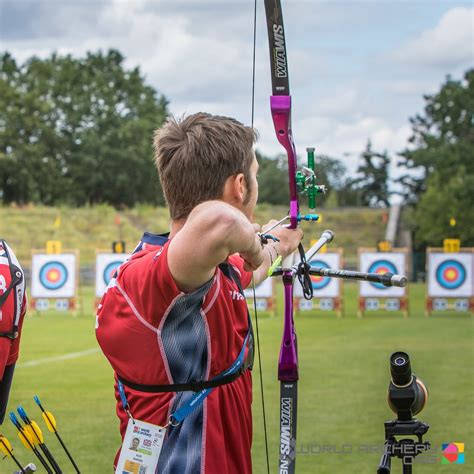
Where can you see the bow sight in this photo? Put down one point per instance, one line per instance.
(306, 181)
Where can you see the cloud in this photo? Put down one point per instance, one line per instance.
(448, 44)
(345, 83)
(408, 87)
(338, 138)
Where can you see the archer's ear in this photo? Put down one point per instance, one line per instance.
(235, 189)
(241, 186)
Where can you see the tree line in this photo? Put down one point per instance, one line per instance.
(78, 131)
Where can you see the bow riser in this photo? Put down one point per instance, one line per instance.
(280, 106)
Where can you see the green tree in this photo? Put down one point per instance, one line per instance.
(77, 130)
(371, 186)
(440, 164)
(272, 179)
(349, 193)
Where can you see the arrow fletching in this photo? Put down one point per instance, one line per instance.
(35, 432)
(50, 421)
(5, 446)
(26, 438)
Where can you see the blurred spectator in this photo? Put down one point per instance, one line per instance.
(12, 311)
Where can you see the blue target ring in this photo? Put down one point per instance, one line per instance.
(319, 282)
(382, 266)
(53, 275)
(451, 274)
(109, 271)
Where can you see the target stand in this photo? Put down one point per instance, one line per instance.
(450, 285)
(106, 266)
(327, 292)
(375, 296)
(54, 280)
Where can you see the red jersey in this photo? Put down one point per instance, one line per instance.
(154, 334)
(13, 309)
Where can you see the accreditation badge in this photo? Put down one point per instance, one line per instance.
(141, 448)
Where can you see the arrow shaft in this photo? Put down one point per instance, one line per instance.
(42, 461)
(10, 452)
(67, 452)
(53, 426)
(17, 463)
(50, 458)
(17, 425)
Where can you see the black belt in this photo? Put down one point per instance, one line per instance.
(194, 386)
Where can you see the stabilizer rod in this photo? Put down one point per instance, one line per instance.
(386, 279)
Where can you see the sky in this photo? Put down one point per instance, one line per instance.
(358, 69)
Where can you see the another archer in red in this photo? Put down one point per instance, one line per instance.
(12, 312)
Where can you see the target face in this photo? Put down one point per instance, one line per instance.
(451, 274)
(324, 287)
(380, 267)
(106, 266)
(53, 275)
(380, 263)
(109, 270)
(319, 282)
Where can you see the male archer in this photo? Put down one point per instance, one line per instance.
(12, 311)
(173, 322)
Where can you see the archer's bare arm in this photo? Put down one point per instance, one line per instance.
(213, 231)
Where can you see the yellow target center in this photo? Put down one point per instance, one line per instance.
(54, 275)
(451, 275)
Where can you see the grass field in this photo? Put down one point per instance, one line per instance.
(342, 390)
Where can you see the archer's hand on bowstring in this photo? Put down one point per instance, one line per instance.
(288, 239)
(287, 242)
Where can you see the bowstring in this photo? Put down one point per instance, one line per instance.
(253, 279)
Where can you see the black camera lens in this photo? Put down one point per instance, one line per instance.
(400, 361)
(400, 368)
